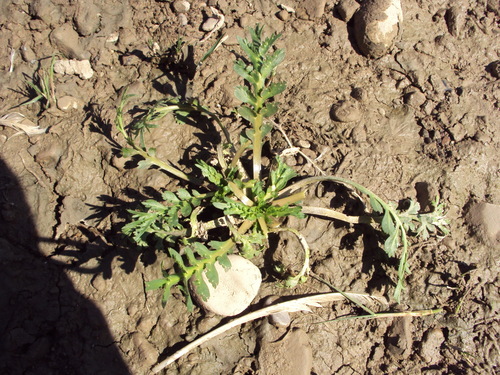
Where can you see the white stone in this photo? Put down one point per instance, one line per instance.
(81, 68)
(236, 290)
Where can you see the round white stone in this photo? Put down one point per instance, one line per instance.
(236, 290)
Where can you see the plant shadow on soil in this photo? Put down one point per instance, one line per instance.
(46, 325)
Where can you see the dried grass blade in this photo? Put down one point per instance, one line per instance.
(19, 122)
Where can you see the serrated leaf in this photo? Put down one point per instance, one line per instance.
(209, 172)
(241, 69)
(273, 89)
(170, 197)
(183, 194)
(154, 205)
(269, 109)
(202, 249)
(128, 152)
(266, 128)
(387, 223)
(155, 284)
(247, 113)
(201, 286)
(166, 296)
(268, 43)
(272, 62)
(376, 206)
(245, 46)
(244, 94)
(177, 258)
(190, 255)
(392, 243)
(211, 274)
(186, 209)
(224, 261)
(220, 205)
(144, 164)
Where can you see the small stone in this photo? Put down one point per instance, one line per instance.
(346, 9)
(455, 20)
(81, 68)
(280, 319)
(67, 103)
(183, 20)
(346, 111)
(181, 6)
(87, 18)
(283, 15)
(431, 345)
(377, 24)
(28, 54)
(209, 24)
(494, 68)
(236, 289)
(415, 99)
(359, 93)
(66, 40)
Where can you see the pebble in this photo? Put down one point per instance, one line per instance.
(455, 20)
(346, 9)
(283, 15)
(209, 24)
(81, 68)
(346, 111)
(67, 103)
(181, 6)
(281, 319)
(377, 24)
(237, 287)
(87, 18)
(66, 40)
(415, 99)
(27, 54)
(494, 68)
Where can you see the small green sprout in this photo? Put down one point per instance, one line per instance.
(43, 87)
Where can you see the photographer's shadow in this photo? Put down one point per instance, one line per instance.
(46, 326)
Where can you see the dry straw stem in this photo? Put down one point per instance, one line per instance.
(298, 304)
(19, 122)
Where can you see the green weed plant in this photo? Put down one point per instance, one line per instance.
(251, 205)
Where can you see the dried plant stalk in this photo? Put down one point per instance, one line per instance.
(299, 304)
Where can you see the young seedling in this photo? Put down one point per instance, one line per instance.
(249, 204)
(43, 87)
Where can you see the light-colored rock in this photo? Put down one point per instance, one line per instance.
(237, 287)
(81, 68)
(66, 40)
(377, 24)
(209, 24)
(67, 103)
(181, 6)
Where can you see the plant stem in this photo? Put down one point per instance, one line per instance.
(332, 214)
